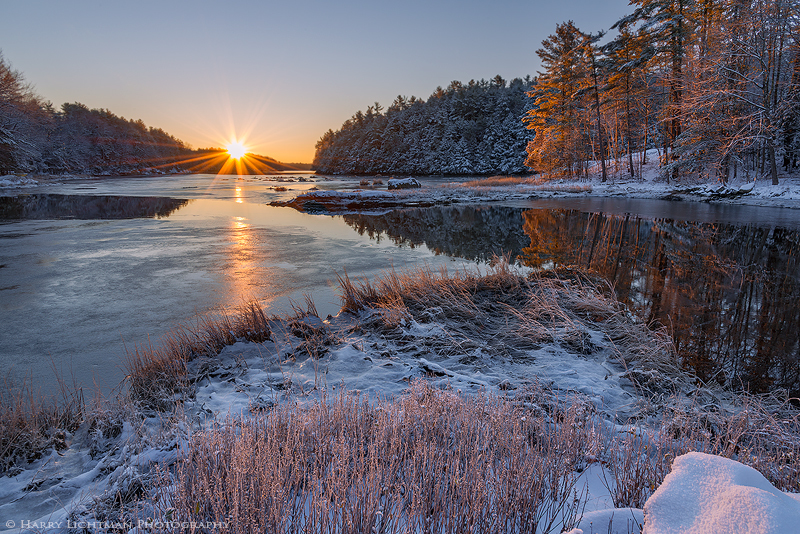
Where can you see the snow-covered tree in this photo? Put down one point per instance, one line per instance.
(472, 128)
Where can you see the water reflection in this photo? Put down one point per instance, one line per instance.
(729, 293)
(470, 232)
(56, 206)
(243, 269)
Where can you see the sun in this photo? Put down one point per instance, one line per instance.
(236, 149)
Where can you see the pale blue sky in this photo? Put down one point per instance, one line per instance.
(278, 73)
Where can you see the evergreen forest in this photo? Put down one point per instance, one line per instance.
(712, 86)
(473, 128)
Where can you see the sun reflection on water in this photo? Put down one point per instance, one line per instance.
(242, 265)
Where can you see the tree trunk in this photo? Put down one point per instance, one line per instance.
(773, 167)
(599, 124)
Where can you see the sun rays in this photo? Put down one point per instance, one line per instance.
(235, 158)
(234, 126)
(236, 149)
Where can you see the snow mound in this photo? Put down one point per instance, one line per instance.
(404, 183)
(706, 493)
(11, 180)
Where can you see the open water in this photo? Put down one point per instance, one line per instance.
(89, 269)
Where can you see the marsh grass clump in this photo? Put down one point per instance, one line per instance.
(437, 460)
(430, 461)
(495, 181)
(540, 183)
(157, 373)
(32, 423)
(508, 312)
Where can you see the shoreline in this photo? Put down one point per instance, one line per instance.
(540, 343)
(356, 199)
(247, 366)
(372, 200)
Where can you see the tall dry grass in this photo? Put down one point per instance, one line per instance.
(431, 461)
(537, 183)
(438, 461)
(496, 181)
(156, 374)
(32, 423)
(510, 312)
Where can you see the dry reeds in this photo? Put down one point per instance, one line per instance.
(537, 183)
(563, 188)
(511, 312)
(432, 461)
(157, 373)
(495, 181)
(438, 461)
(31, 423)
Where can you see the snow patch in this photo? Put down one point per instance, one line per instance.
(706, 493)
(11, 180)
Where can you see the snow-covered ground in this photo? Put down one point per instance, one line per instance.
(559, 335)
(784, 195)
(14, 181)
(744, 190)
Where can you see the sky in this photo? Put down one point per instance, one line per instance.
(275, 75)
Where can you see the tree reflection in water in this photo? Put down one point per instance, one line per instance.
(86, 207)
(472, 232)
(729, 293)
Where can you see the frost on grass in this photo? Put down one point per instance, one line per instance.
(431, 461)
(435, 401)
(502, 327)
(477, 341)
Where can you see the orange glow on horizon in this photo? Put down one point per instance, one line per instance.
(236, 158)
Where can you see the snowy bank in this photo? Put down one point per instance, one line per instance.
(14, 181)
(706, 493)
(479, 372)
(786, 195)
(745, 190)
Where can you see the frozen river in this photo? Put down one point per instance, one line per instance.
(75, 293)
(92, 268)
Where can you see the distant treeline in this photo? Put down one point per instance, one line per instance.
(467, 129)
(37, 138)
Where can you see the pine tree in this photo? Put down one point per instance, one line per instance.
(558, 118)
(627, 90)
(668, 26)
